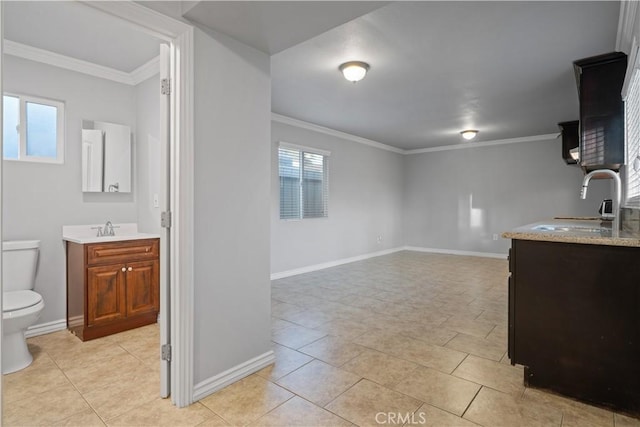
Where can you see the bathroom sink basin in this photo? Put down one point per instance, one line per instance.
(88, 233)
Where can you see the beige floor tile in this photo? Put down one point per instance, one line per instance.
(216, 421)
(42, 375)
(372, 304)
(574, 413)
(119, 397)
(280, 309)
(441, 390)
(44, 408)
(384, 341)
(309, 318)
(344, 328)
(430, 416)
(431, 356)
(86, 353)
(278, 324)
(494, 408)
(86, 418)
(112, 369)
(368, 403)
(477, 346)
(296, 336)
(319, 382)
(161, 412)
(287, 361)
(626, 421)
(297, 412)
(430, 334)
(333, 350)
(505, 378)
(246, 400)
(469, 326)
(380, 367)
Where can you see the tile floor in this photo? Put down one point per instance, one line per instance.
(404, 339)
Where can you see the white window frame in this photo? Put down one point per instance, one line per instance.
(302, 149)
(22, 129)
(631, 96)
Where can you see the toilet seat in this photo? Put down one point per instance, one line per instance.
(19, 301)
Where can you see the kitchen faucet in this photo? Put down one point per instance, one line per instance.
(615, 210)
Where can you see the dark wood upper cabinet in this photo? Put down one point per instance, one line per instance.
(599, 79)
(570, 139)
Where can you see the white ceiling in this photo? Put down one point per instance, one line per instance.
(272, 26)
(504, 68)
(437, 68)
(78, 31)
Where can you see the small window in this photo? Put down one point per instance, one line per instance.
(304, 186)
(33, 129)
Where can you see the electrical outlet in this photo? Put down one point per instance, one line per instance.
(379, 239)
(156, 201)
(495, 236)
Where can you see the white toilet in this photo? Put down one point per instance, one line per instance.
(21, 306)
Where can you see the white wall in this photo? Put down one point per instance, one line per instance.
(38, 198)
(232, 127)
(365, 201)
(458, 199)
(150, 159)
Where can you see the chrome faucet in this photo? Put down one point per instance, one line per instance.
(617, 194)
(108, 229)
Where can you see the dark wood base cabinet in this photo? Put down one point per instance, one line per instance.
(574, 320)
(112, 286)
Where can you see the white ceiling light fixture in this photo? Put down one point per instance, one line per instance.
(354, 71)
(469, 134)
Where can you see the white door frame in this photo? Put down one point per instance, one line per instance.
(181, 147)
(1, 164)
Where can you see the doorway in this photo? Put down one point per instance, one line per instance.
(176, 288)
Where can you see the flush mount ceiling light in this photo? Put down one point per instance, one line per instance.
(354, 71)
(469, 134)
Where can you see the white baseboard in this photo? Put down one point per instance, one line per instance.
(46, 328)
(456, 252)
(215, 383)
(322, 266)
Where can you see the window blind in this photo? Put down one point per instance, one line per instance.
(304, 189)
(632, 143)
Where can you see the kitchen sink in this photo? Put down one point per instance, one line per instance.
(570, 228)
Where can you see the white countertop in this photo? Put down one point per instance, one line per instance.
(88, 233)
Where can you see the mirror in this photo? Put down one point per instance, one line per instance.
(106, 157)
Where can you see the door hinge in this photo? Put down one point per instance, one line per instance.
(165, 219)
(165, 352)
(165, 86)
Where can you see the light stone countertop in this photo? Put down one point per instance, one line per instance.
(589, 232)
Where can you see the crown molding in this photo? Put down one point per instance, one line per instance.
(146, 71)
(481, 144)
(78, 65)
(626, 22)
(310, 126)
(328, 131)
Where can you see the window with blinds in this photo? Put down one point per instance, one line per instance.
(304, 186)
(632, 142)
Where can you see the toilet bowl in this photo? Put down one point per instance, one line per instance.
(21, 306)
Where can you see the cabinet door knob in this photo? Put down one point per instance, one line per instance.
(124, 269)
(130, 269)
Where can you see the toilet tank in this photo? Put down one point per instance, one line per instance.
(19, 260)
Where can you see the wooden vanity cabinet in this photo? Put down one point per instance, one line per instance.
(112, 286)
